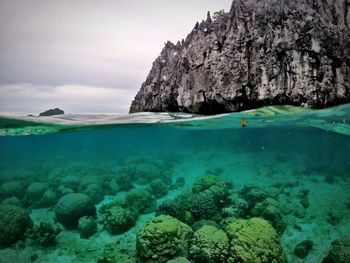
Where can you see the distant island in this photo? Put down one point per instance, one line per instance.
(51, 112)
(260, 53)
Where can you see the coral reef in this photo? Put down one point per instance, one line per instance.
(112, 254)
(252, 195)
(304, 198)
(120, 215)
(14, 221)
(209, 195)
(82, 178)
(124, 178)
(49, 198)
(205, 182)
(71, 207)
(34, 194)
(140, 200)
(339, 253)
(12, 188)
(180, 182)
(209, 244)
(162, 239)
(159, 187)
(95, 192)
(302, 249)
(202, 206)
(145, 173)
(142, 171)
(178, 208)
(62, 190)
(12, 201)
(87, 226)
(334, 217)
(199, 224)
(270, 210)
(118, 219)
(253, 240)
(213, 186)
(179, 260)
(44, 234)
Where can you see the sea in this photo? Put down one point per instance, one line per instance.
(298, 157)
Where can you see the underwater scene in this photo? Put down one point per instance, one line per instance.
(266, 185)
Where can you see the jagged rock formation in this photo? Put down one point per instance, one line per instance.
(262, 52)
(52, 112)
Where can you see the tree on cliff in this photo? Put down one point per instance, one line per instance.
(218, 14)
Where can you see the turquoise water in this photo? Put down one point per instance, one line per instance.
(299, 158)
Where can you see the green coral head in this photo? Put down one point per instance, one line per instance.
(259, 236)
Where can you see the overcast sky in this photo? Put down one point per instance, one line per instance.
(86, 56)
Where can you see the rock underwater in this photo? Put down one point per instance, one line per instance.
(262, 52)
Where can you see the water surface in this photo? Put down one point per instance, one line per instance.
(282, 150)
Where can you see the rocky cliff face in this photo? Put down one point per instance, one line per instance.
(262, 52)
(52, 112)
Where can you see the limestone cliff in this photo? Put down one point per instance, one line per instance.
(260, 53)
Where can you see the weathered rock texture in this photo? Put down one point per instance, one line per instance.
(262, 52)
(52, 112)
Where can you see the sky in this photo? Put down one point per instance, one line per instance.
(86, 56)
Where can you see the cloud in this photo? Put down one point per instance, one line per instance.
(110, 43)
(33, 99)
(100, 43)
